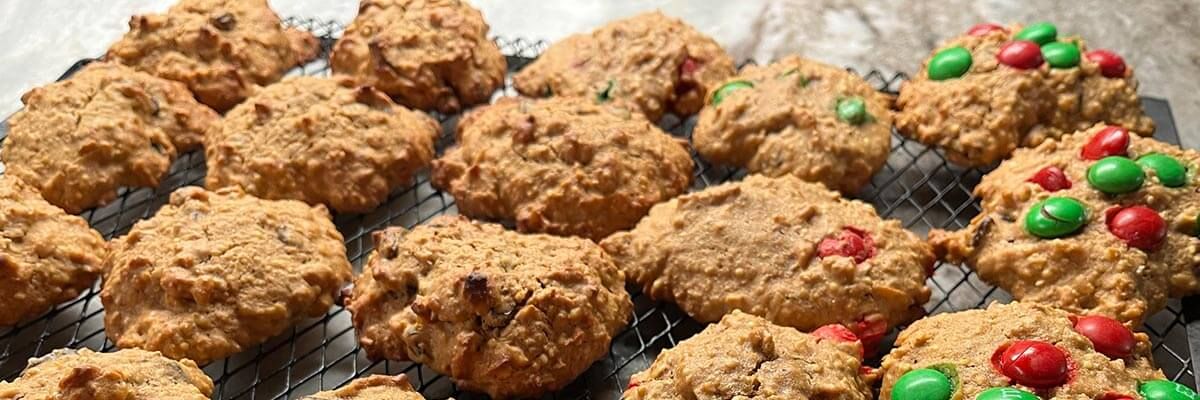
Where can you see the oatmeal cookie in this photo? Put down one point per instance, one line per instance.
(108, 126)
(322, 141)
(504, 313)
(799, 117)
(649, 62)
(997, 88)
(427, 54)
(68, 374)
(1080, 225)
(213, 273)
(748, 357)
(46, 256)
(564, 166)
(374, 387)
(222, 49)
(781, 248)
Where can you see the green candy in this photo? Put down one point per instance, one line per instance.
(1161, 389)
(1004, 393)
(922, 384)
(1055, 217)
(949, 63)
(1170, 172)
(1040, 33)
(1116, 175)
(853, 110)
(1061, 55)
(606, 94)
(728, 88)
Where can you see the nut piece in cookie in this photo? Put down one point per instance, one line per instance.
(650, 63)
(374, 387)
(748, 357)
(1013, 351)
(213, 273)
(798, 117)
(1098, 222)
(108, 126)
(503, 313)
(222, 49)
(124, 374)
(564, 166)
(46, 256)
(781, 248)
(984, 94)
(321, 141)
(427, 54)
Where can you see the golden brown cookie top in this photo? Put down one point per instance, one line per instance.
(222, 49)
(374, 387)
(322, 141)
(565, 166)
(68, 374)
(649, 62)
(503, 313)
(748, 357)
(215, 272)
(428, 54)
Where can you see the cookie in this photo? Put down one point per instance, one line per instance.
(748, 357)
(46, 256)
(427, 54)
(781, 248)
(124, 374)
(222, 49)
(1100, 222)
(798, 117)
(321, 141)
(981, 95)
(108, 126)
(564, 166)
(374, 387)
(1014, 351)
(503, 313)
(649, 62)
(213, 273)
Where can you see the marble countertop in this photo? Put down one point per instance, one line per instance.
(43, 38)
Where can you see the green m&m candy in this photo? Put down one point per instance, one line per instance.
(949, 63)
(853, 110)
(1061, 55)
(1116, 175)
(1055, 217)
(923, 384)
(1170, 172)
(1005, 393)
(1040, 33)
(1161, 389)
(728, 88)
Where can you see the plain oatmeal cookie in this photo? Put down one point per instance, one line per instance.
(68, 374)
(374, 387)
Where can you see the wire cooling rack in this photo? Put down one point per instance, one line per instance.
(917, 186)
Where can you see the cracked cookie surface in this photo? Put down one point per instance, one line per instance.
(503, 313)
(68, 374)
(375, 387)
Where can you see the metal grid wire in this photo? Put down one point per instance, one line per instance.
(917, 187)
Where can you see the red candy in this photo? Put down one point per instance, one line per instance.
(1111, 64)
(1020, 54)
(985, 28)
(1138, 226)
(870, 330)
(837, 333)
(632, 384)
(688, 67)
(1111, 141)
(1051, 178)
(1108, 336)
(1033, 363)
(851, 242)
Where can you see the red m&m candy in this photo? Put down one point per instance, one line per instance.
(1033, 363)
(1020, 54)
(851, 242)
(837, 333)
(1138, 226)
(985, 28)
(1051, 178)
(1108, 336)
(1111, 64)
(1111, 141)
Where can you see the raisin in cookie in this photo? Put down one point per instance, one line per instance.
(427, 54)
(564, 166)
(375, 387)
(1100, 221)
(504, 313)
(997, 88)
(322, 141)
(213, 273)
(798, 117)
(108, 126)
(748, 357)
(124, 374)
(788, 250)
(649, 62)
(222, 49)
(1011, 352)
(46, 256)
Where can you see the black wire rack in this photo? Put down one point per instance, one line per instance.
(917, 186)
